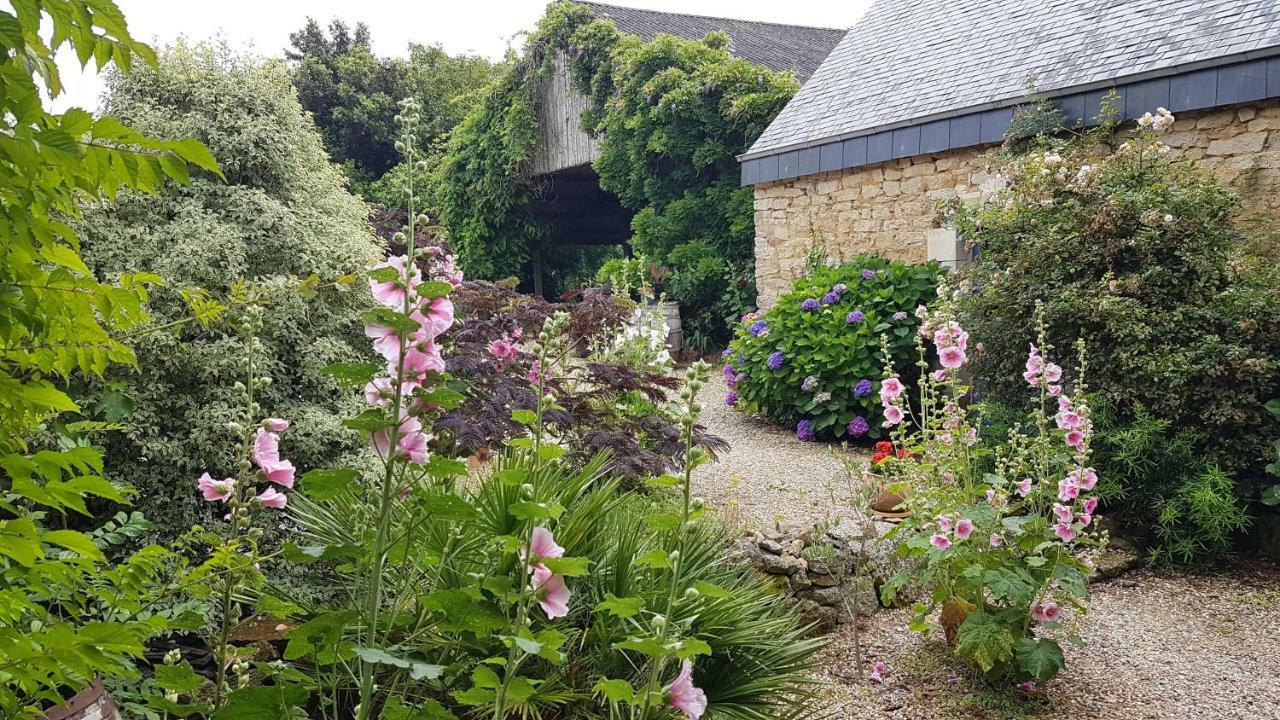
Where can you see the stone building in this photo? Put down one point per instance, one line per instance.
(571, 204)
(904, 111)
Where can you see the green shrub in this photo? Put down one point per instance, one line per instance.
(828, 359)
(1132, 250)
(283, 211)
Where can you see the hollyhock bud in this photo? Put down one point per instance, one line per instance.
(275, 425)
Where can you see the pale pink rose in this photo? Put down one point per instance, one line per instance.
(940, 541)
(1024, 487)
(275, 425)
(543, 544)
(951, 357)
(273, 498)
(684, 696)
(554, 594)
(964, 528)
(1090, 504)
(892, 416)
(1064, 532)
(214, 490)
(877, 672)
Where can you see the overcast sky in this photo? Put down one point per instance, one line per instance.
(482, 27)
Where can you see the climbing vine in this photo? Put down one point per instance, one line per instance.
(670, 114)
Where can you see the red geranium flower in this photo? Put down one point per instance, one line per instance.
(879, 457)
(884, 446)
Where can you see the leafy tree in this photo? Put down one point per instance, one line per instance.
(353, 93)
(67, 617)
(282, 212)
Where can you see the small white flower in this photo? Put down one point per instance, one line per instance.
(1168, 218)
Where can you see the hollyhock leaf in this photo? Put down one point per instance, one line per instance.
(370, 421)
(533, 511)
(1035, 561)
(1039, 658)
(528, 645)
(385, 274)
(446, 398)
(463, 612)
(528, 418)
(651, 647)
(328, 484)
(711, 590)
(433, 289)
(567, 566)
(618, 691)
(263, 702)
(663, 522)
(450, 507)
(178, 678)
(654, 559)
(550, 452)
(519, 690)
(622, 608)
(511, 476)
(387, 317)
(1010, 584)
(477, 697)
(985, 640)
(663, 481)
(443, 467)
(691, 648)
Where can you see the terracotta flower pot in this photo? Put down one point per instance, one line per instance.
(888, 504)
(91, 704)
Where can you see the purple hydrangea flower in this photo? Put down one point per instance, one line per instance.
(868, 274)
(839, 288)
(804, 430)
(759, 327)
(900, 316)
(809, 305)
(863, 388)
(727, 352)
(854, 317)
(858, 426)
(831, 298)
(776, 358)
(731, 399)
(809, 383)
(728, 370)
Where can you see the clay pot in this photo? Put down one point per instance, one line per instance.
(91, 704)
(887, 505)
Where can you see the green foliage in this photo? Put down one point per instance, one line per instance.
(282, 213)
(1133, 251)
(352, 94)
(67, 616)
(826, 345)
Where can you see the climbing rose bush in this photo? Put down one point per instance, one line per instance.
(812, 362)
(1001, 534)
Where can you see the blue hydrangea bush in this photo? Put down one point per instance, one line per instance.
(814, 360)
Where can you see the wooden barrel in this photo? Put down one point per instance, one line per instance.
(675, 334)
(91, 704)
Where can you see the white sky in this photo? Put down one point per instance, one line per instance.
(482, 27)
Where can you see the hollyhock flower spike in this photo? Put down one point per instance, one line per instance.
(215, 490)
(273, 498)
(684, 696)
(553, 593)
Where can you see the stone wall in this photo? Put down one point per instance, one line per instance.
(888, 208)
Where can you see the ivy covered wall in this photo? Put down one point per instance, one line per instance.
(670, 115)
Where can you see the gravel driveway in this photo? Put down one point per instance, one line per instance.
(1158, 647)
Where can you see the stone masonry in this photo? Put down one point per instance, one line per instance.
(889, 207)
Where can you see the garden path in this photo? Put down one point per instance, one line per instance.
(1158, 647)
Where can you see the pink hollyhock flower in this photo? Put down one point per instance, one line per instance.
(939, 375)
(940, 541)
(684, 696)
(1037, 613)
(1064, 402)
(214, 490)
(554, 595)
(1051, 611)
(275, 425)
(996, 540)
(1064, 532)
(877, 672)
(420, 358)
(890, 389)
(503, 351)
(991, 495)
(964, 528)
(1052, 373)
(385, 340)
(434, 316)
(892, 416)
(1085, 519)
(1062, 512)
(971, 437)
(944, 524)
(543, 544)
(1075, 439)
(945, 438)
(1024, 487)
(414, 447)
(392, 293)
(1068, 420)
(1032, 378)
(266, 454)
(412, 441)
(1055, 390)
(1088, 478)
(1068, 490)
(273, 498)
(535, 372)
(1090, 504)
(951, 357)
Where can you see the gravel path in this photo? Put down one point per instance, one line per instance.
(1158, 647)
(767, 475)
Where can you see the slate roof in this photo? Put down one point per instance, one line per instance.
(909, 61)
(798, 48)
